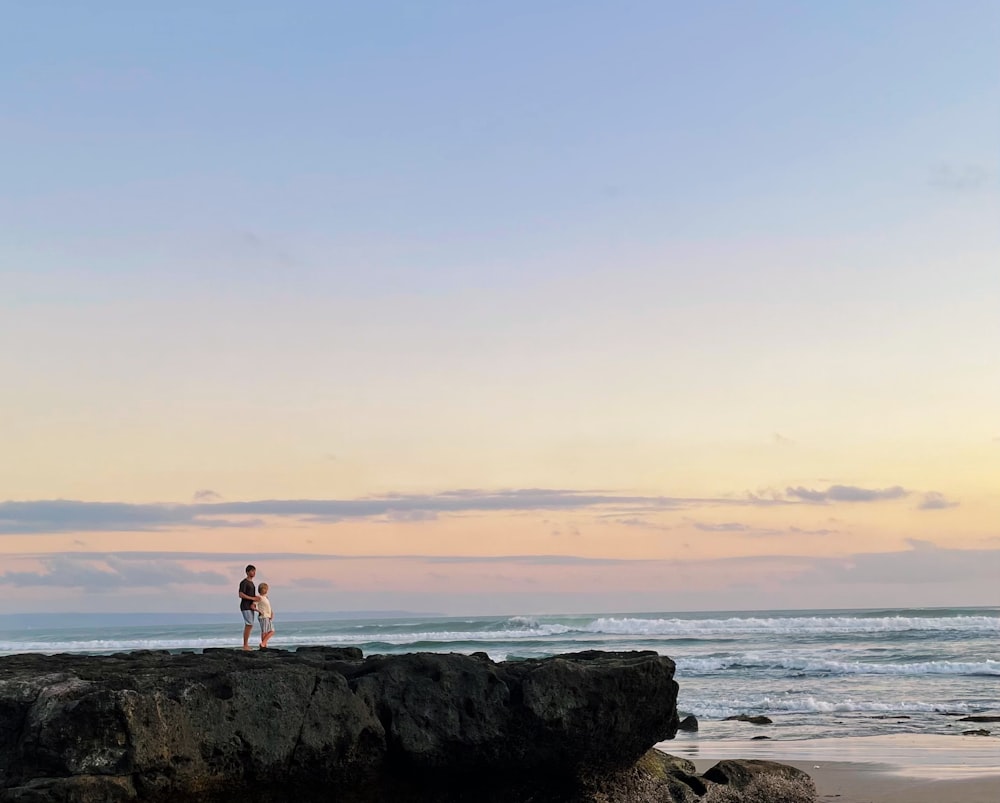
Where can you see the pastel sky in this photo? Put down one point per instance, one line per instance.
(514, 307)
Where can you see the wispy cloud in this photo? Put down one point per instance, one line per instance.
(65, 515)
(756, 530)
(99, 573)
(846, 493)
(924, 562)
(259, 558)
(962, 177)
(817, 531)
(206, 495)
(932, 500)
(312, 582)
(106, 572)
(411, 515)
(640, 523)
(722, 527)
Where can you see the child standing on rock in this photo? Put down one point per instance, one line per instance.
(265, 616)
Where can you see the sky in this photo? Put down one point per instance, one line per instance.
(521, 307)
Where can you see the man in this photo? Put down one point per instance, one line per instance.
(248, 596)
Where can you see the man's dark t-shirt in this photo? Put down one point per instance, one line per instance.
(247, 587)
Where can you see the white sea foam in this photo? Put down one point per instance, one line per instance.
(796, 662)
(719, 708)
(525, 627)
(286, 639)
(847, 625)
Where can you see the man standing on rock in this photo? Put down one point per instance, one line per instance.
(248, 599)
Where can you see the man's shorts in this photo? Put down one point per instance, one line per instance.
(247, 617)
(265, 625)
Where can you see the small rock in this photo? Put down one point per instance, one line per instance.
(756, 720)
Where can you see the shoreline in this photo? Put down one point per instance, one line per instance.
(908, 768)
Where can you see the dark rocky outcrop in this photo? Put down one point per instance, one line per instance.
(753, 781)
(329, 724)
(689, 723)
(661, 778)
(753, 720)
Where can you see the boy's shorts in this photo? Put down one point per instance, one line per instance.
(265, 625)
(247, 617)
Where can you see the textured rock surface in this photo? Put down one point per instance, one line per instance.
(322, 722)
(689, 723)
(325, 724)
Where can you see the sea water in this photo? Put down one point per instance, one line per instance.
(815, 674)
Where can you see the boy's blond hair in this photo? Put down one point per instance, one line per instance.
(262, 588)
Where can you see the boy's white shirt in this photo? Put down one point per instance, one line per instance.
(264, 607)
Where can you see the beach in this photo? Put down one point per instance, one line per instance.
(878, 769)
(864, 783)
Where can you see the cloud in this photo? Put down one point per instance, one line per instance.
(266, 251)
(64, 515)
(924, 563)
(206, 496)
(819, 531)
(724, 527)
(411, 515)
(527, 560)
(765, 497)
(749, 529)
(932, 500)
(962, 178)
(847, 493)
(101, 573)
(260, 559)
(74, 516)
(311, 582)
(641, 523)
(457, 501)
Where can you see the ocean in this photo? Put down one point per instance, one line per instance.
(815, 673)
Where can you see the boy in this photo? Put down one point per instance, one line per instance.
(264, 615)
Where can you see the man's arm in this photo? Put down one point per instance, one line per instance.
(248, 596)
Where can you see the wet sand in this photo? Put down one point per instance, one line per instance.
(848, 782)
(877, 769)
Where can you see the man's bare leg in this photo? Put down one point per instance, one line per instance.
(246, 636)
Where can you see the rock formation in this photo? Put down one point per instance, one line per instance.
(328, 724)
